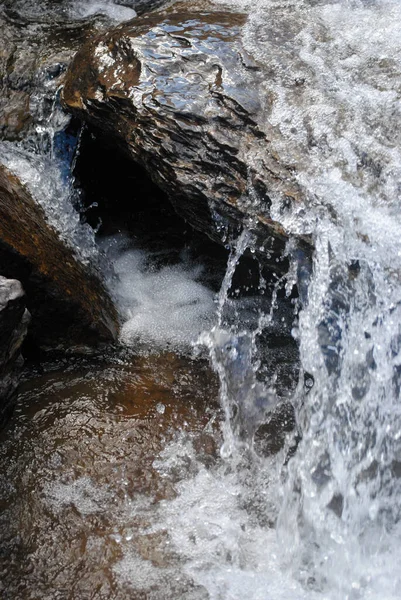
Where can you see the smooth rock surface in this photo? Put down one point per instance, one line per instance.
(181, 96)
(67, 300)
(14, 320)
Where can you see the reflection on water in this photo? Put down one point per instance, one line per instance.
(79, 485)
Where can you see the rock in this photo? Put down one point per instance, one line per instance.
(37, 42)
(33, 59)
(180, 95)
(67, 299)
(14, 319)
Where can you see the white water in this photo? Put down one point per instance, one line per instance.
(334, 81)
(161, 306)
(108, 8)
(42, 174)
(47, 10)
(334, 509)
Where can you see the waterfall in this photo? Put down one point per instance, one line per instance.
(44, 163)
(333, 502)
(320, 517)
(335, 72)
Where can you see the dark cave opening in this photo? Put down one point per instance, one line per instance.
(117, 196)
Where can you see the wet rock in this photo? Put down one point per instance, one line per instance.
(105, 458)
(37, 42)
(33, 59)
(67, 300)
(180, 95)
(14, 319)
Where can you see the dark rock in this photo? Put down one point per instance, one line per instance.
(181, 97)
(67, 300)
(14, 319)
(32, 60)
(37, 42)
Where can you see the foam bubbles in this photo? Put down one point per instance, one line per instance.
(82, 493)
(50, 11)
(160, 305)
(216, 526)
(113, 11)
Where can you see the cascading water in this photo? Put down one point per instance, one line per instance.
(46, 169)
(340, 519)
(340, 516)
(321, 517)
(48, 11)
(334, 80)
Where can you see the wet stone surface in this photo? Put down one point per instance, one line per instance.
(180, 95)
(82, 479)
(37, 42)
(67, 299)
(14, 320)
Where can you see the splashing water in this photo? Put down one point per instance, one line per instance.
(339, 522)
(323, 521)
(232, 347)
(110, 9)
(43, 177)
(44, 164)
(48, 11)
(334, 83)
(160, 305)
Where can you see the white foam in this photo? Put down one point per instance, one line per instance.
(163, 306)
(81, 493)
(333, 112)
(113, 11)
(139, 573)
(218, 538)
(48, 10)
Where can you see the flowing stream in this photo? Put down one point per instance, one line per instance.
(152, 472)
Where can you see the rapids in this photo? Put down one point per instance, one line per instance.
(112, 485)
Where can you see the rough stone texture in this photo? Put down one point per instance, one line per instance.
(33, 59)
(67, 300)
(181, 96)
(37, 42)
(14, 319)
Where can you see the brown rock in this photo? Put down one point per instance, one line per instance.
(67, 300)
(181, 97)
(34, 54)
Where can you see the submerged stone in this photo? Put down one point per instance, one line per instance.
(180, 95)
(89, 453)
(67, 299)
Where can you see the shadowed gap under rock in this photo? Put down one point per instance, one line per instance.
(117, 196)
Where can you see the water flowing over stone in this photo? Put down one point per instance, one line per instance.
(288, 115)
(68, 302)
(33, 59)
(181, 96)
(37, 42)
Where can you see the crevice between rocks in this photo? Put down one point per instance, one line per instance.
(118, 196)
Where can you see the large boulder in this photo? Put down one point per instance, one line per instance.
(14, 319)
(67, 299)
(179, 94)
